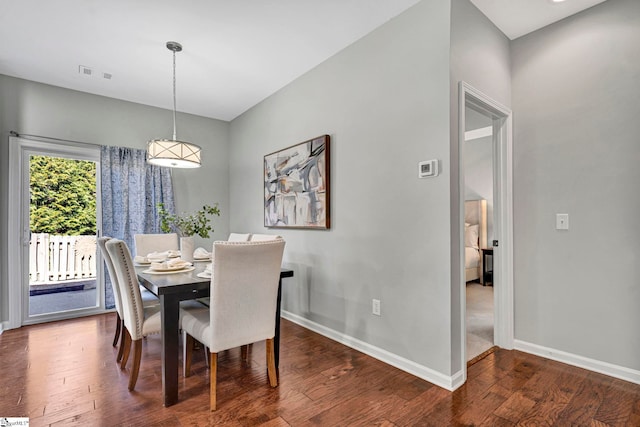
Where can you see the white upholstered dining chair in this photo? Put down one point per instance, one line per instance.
(137, 321)
(149, 301)
(239, 237)
(264, 237)
(148, 243)
(233, 237)
(244, 291)
(115, 290)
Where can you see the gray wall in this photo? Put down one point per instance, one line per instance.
(479, 53)
(576, 94)
(385, 103)
(478, 175)
(479, 56)
(478, 164)
(34, 108)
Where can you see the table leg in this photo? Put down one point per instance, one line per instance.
(170, 315)
(276, 338)
(484, 268)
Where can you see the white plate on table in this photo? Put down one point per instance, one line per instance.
(202, 259)
(170, 266)
(169, 271)
(140, 260)
(204, 275)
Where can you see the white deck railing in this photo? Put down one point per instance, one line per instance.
(61, 258)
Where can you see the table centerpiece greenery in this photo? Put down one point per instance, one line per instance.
(188, 224)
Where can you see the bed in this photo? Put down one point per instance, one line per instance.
(475, 237)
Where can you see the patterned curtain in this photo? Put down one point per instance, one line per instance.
(131, 191)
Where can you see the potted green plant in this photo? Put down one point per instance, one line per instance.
(187, 225)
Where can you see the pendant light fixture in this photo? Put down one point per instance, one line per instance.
(171, 152)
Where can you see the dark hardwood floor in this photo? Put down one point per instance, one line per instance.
(65, 373)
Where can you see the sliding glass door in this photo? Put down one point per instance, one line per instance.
(60, 268)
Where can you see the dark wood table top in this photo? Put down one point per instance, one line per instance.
(163, 284)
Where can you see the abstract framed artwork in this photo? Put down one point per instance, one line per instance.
(296, 186)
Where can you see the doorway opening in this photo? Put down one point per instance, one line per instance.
(489, 179)
(478, 230)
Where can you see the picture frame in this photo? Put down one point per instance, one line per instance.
(296, 186)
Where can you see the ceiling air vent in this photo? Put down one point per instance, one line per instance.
(107, 76)
(85, 71)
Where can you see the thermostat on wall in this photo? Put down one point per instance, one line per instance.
(428, 169)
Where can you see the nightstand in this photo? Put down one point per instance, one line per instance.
(487, 275)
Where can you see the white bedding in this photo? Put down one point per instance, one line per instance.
(471, 257)
(475, 237)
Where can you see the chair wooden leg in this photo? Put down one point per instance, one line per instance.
(187, 353)
(271, 364)
(213, 363)
(244, 351)
(122, 335)
(127, 347)
(137, 355)
(117, 334)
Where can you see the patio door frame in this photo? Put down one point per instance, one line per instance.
(20, 150)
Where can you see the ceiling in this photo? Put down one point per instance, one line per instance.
(236, 53)
(515, 18)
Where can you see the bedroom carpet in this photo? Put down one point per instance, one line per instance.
(479, 319)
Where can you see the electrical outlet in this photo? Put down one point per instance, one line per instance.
(562, 221)
(376, 307)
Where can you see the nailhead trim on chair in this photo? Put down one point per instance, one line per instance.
(130, 290)
(255, 242)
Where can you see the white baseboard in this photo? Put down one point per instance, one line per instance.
(447, 382)
(3, 327)
(605, 368)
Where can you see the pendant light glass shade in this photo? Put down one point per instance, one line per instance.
(171, 152)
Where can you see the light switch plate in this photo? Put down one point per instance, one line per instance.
(375, 309)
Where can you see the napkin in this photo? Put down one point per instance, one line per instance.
(201, 253)
(173, 254)
(157, 256)
(174, 263)
(140, 259)
(209, 268)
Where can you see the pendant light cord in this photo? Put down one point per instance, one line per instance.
(173, 153)
(174, 96)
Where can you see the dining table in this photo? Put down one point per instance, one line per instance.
(179, 286)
